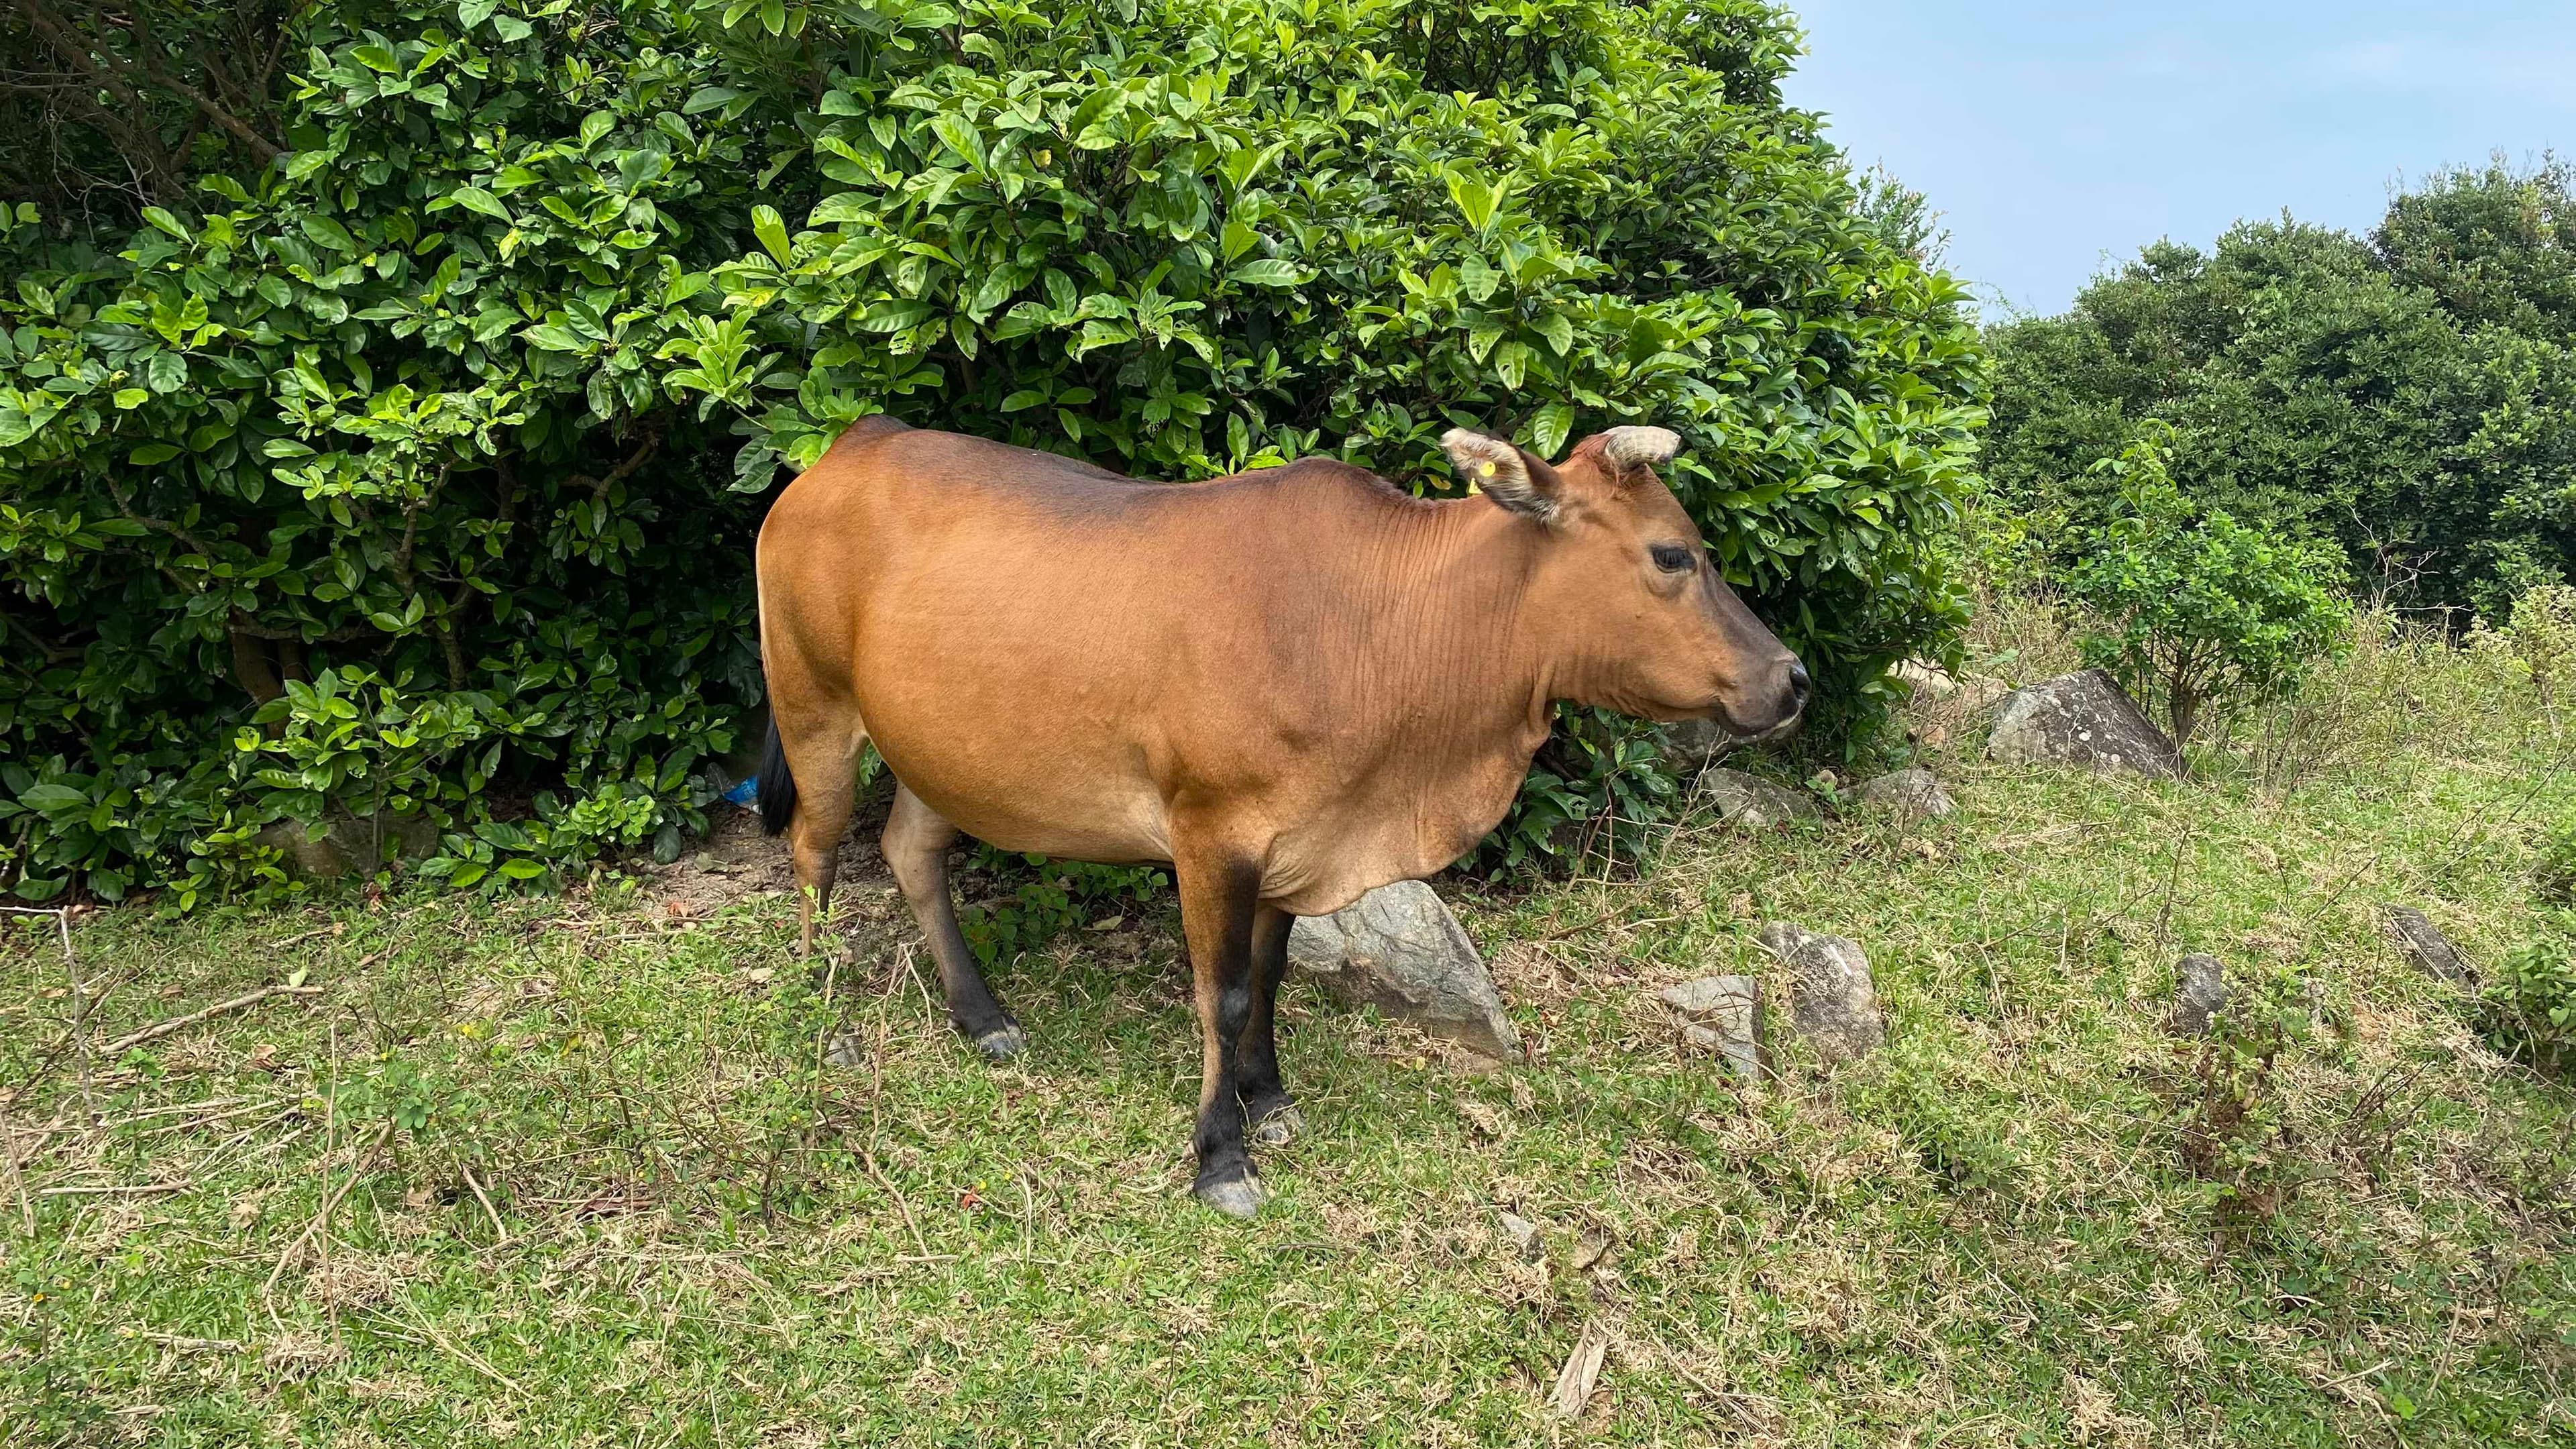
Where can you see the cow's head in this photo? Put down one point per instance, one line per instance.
(1636, 613)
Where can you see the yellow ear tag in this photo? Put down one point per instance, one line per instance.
(1484, 470)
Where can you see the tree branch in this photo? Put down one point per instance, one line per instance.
(643, 452)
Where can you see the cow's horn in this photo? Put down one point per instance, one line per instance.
(1630, 447)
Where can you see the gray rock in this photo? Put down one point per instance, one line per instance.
(2423, 943)
(845, 1048)
(1911, 792)
(1722, 1015)
(1753, 802)
(2200, 990)
(2080, 719)
(1400, 950)
(1524, 1235)
(1925, 681)
(348, 844)
(1977, 691)
(1692, 745)
(1832, 1001)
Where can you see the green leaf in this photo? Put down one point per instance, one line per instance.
(708, 98)
(1549, 427)
(470, 13)
(165, 221)
(328, 233)
(1270, 272)
(475, 199)
(771, 228)
(130, 398)
(147, 454)
(1558, 330)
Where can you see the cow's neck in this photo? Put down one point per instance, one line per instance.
(1465, 660)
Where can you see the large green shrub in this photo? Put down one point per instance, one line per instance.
(468, 392)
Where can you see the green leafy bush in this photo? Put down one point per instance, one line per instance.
(2542, 631)
(2553, 877)
(469, 373)
(2228, 1118)
(2194, 608)
(1048, 898)
(2527, 1009)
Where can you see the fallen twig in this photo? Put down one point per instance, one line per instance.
(870, 1160)
(161, 1029)
(330, 1200)
(500, 1234)
(452, 1346)
(114, 1190)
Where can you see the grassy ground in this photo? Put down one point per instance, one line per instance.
(587, 1178)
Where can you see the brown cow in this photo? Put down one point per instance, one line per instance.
(1294, 685)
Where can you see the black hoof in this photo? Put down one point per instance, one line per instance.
(1279, 1126)
(1239, 1195)
(1001, 1043)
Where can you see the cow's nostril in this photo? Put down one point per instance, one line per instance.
(1799, 683)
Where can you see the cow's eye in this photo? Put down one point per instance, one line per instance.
(1674, 558)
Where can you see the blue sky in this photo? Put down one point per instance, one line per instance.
(2057, 138)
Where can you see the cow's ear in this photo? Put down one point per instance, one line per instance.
(1631, 450)
(1505, 474)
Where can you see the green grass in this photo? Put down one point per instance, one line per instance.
(1983, 1235)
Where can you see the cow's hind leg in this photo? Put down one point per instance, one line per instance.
(1268, 1109)
(916, 849)
(812, 802)
(1219, 898)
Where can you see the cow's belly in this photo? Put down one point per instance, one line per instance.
(1026, 789)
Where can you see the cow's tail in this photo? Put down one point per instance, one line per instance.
(775, 785)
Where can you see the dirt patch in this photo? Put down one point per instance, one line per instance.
(734, 862)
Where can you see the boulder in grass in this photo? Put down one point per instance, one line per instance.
(1692, 745)
(2422, 942)
(348, 844)
(1400, 950)
(2200, 991)
(1832, 1000)
(2082, 720)
(1722, 1015)
(1753, 802)
(1911, 792)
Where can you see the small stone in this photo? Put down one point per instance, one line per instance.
(845, 1048)
(1832, 1000)
(2083, 720)
(2423, 943)
(1753, 802)
(1589, 1251)
(1524, 1235)
(1722, 1015)
(1400, 950)
(2200, 990)
(1926, 681)
(1912, 793)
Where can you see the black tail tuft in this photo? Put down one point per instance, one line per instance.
(776, 785)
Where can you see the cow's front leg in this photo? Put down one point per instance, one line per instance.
(1268, 1110)
(1220, 894)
